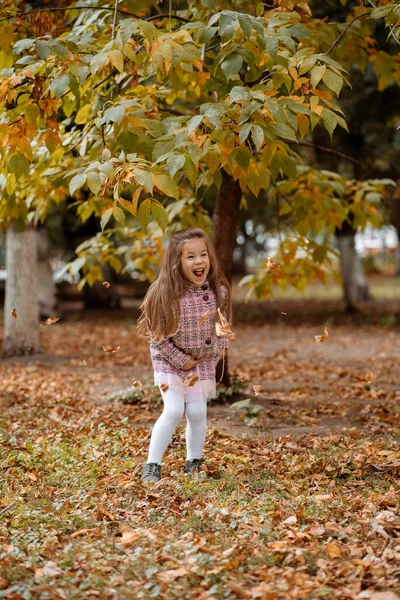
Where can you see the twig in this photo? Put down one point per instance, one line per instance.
(99, 83)
(114, 19)
(344, 31)
(392, 33)
(7, 507)
(329, 150)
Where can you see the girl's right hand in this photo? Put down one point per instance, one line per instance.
(189, 364)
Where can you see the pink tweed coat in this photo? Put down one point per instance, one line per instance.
(195, 339)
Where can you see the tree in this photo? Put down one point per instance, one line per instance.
(163, 107)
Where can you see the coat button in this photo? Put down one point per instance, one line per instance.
(208, 341)
(206, 297)
(204, 286)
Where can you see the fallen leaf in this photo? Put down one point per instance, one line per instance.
(320, 339)
(110, 349)
(366, 379)
(50, 321)
(322, 497)
(290, 520)
(257, 389)
(389, 466)
(271, 265)
(333, 550)
(238, 590)
(204, 317)
(384, 596)
(137, 384)
(106, 284)
(84, 531)
(173, 574)
(4, 583)
(50, 569)
(14, 313)
(190, 380)
(164, 387)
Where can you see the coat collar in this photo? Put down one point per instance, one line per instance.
(193, 288)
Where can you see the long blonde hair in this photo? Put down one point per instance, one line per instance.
(160, 307)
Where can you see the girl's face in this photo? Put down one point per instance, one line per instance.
(195, 261)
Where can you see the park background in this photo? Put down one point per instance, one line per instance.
(274, 126)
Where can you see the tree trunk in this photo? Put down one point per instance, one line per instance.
(225, 222)
(223, 238)
(355, 285)
(46, 287)
(21, 334)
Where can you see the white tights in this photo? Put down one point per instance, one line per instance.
(176, 403)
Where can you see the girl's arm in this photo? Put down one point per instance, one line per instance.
(172, 353)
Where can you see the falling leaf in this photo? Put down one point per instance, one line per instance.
(241, 378)
(271, 265)
(366, 379)
(283, 313)
(84, 362)
(14, 313)
(164, 387)
(111, 349)
(257, 389)
(224, 329)
(190, 380)
(137, 384)
(333, 550)
(51, 320)
(204, 317)
(320, 339)
(106, 284)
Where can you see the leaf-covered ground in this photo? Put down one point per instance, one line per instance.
(302, 504)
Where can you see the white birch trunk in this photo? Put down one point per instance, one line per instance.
(21, 334)
(46, 288)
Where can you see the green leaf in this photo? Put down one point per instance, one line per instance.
(165, 183)
(285, 132)
(93, 182)
(333, 81)
(245, 24)
(144, 213)
(60, 85)
(105, 217)
(77, 182)
(119, 215)
(22, 45)
(244, 132)
(174, 163)
(238, 93)
(193, 123)
(160, 214)
(18, 164)
(317, 74)
(258, 136)
(144, 178)
(232, 65)
(98, 61)
(43, 49)
(330, 120)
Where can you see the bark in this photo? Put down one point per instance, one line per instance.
(21, 334)
(223, 238)
(225, 222)
(46, 287)
(355, 285)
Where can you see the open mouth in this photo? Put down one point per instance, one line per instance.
(199, 273)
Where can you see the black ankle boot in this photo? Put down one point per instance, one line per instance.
(193, 468)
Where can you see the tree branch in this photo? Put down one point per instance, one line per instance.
(329, 150)
(344, 31)
(123, 12)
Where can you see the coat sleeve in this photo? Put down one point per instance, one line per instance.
(172, 353)
(223, 341)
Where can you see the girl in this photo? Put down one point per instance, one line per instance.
(178, 316)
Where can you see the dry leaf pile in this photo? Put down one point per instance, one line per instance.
(279, 517)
